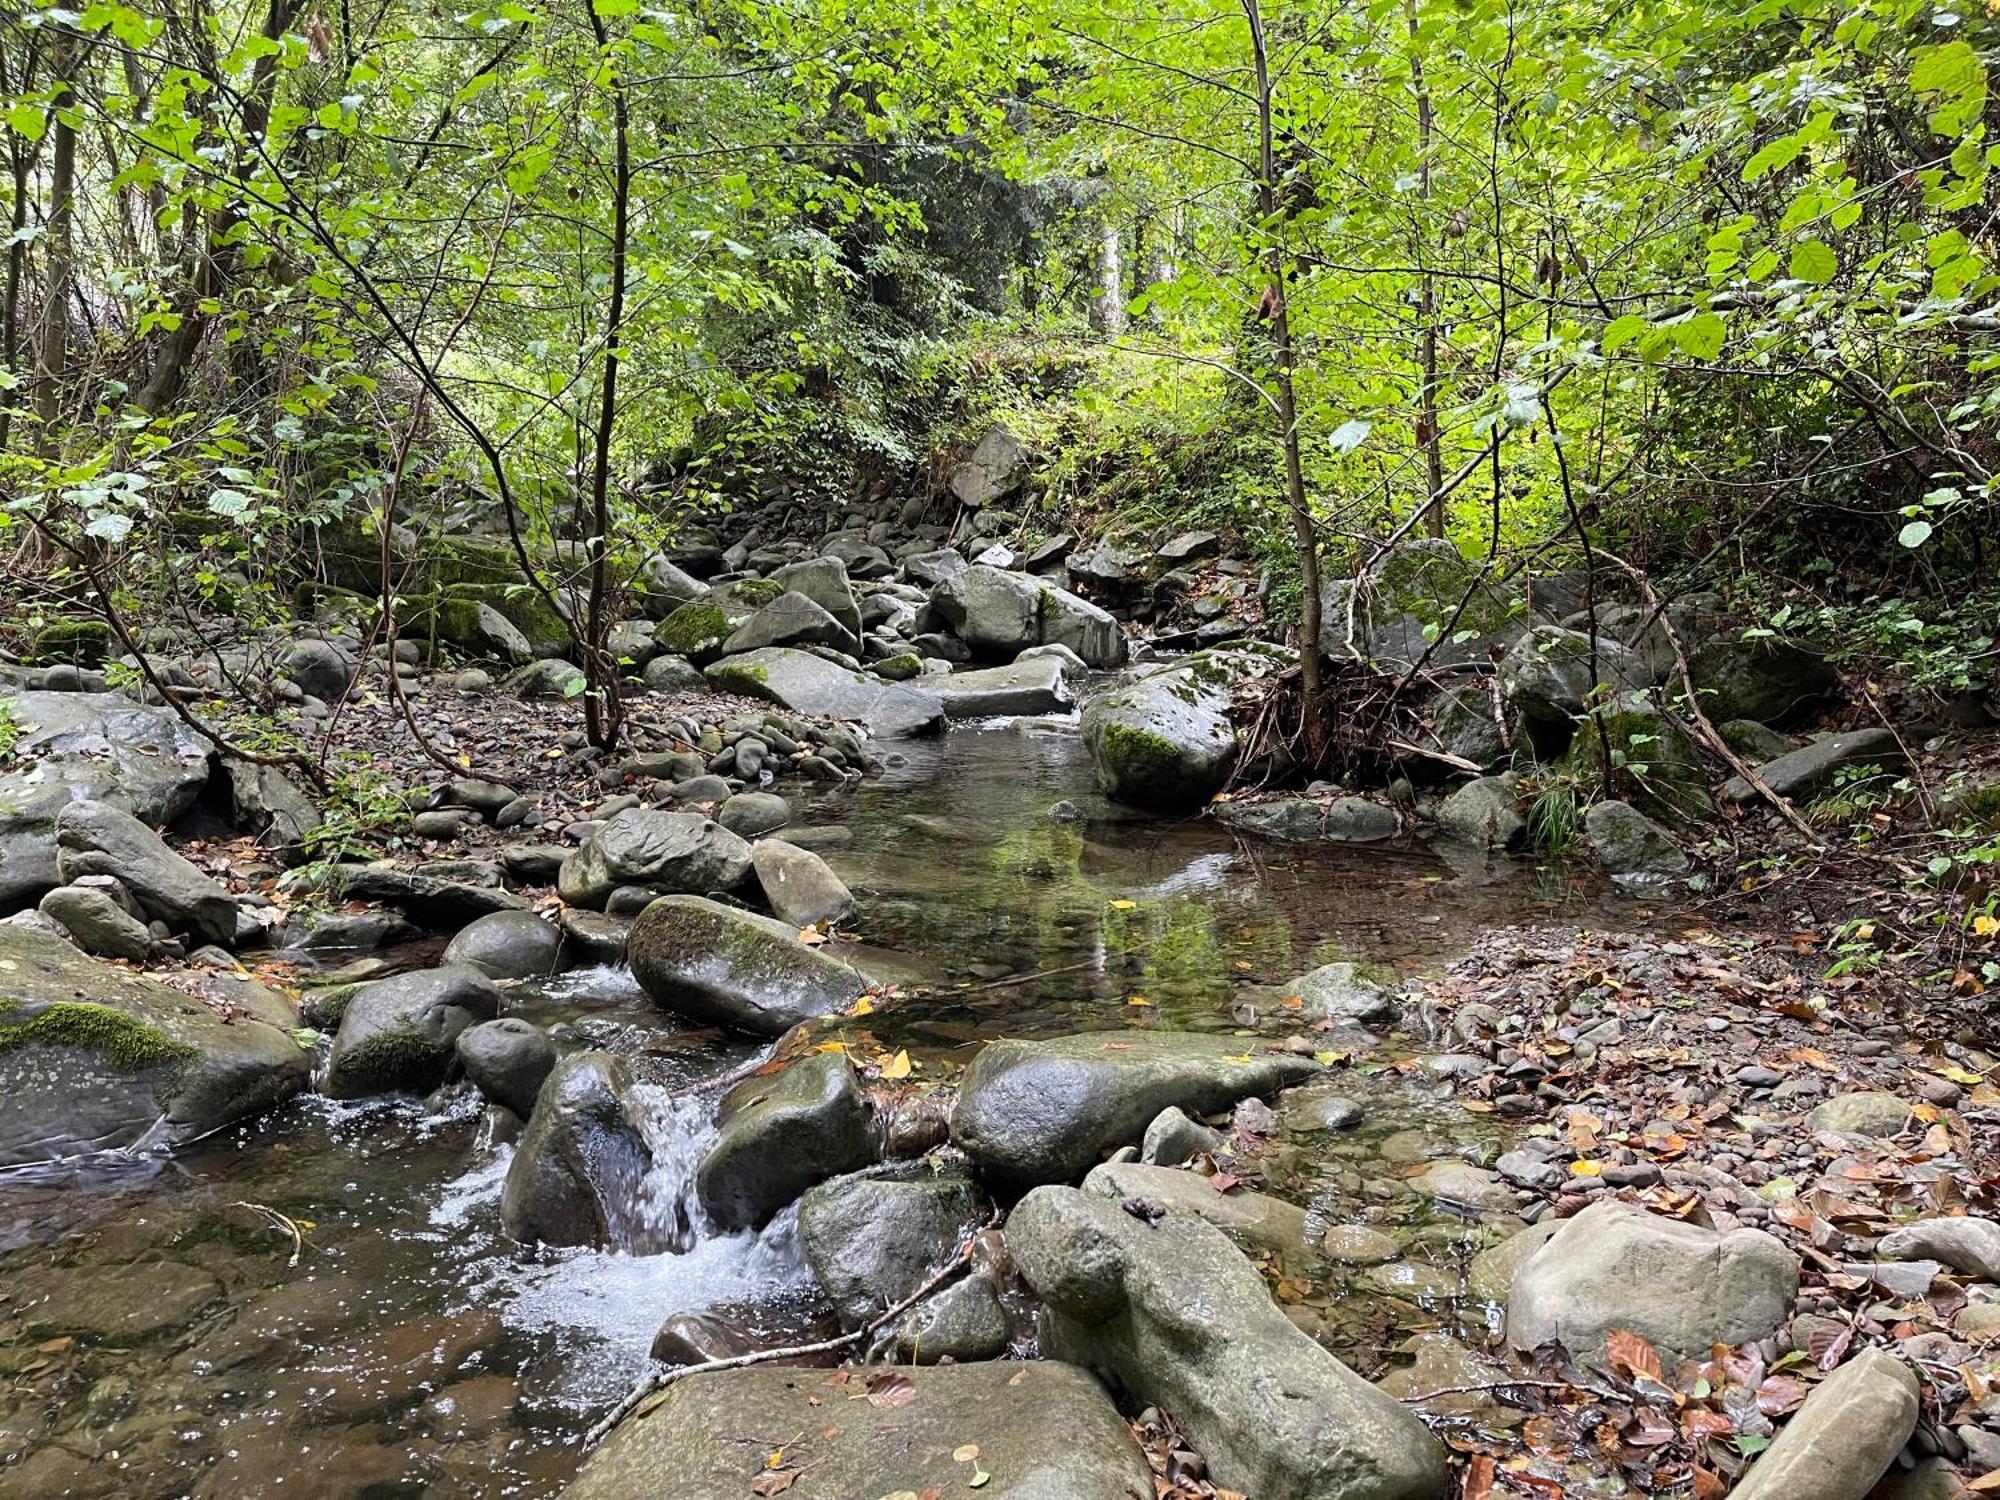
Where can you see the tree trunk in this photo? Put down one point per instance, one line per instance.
(1428, 437)
(1107, 308)
(1303, 532)
(52, 350)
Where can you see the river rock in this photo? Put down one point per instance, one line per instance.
(800, 886)
(665, 587)
(94, 1057)
(996, 467)
(507, 1060)
(1770, 679)
(96, 922)
(824, 581)
(1405, 609)
(96, 838)
(1682, 1287)
(1180, 1319)
(666, 852)
(1254, 1221)
(1490, 1277)
(1969, 1246)
(1547, 676)
(1173, 1138)
(1811, 768)
(1033, 685)
(87, 746)
(1342, 992)
(781, 1135)
(1163, 739)
(508, 945)
(791, 619)
(1031, 1112)
(747, 814)
(1461, 1185)
(1485, 811)
(1044, 1431)
(998, 614)
(872, 1241)
(575, 1176)
(1633, 849)
(723, 967)
(441, 902)
(962, 1323)
(808, 684)
(397, 1034)
(1868, 1112)
(1841, 1441)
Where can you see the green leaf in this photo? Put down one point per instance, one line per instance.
(1701, 336)
(1915, 534)
(1621, 331)
(1779, 153)
(27, 121)
(1349, 435)
(1813, 260)
(109, 527)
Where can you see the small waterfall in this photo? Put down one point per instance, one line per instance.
(664, 1211)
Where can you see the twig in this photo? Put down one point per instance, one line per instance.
(280, 1222)
(659, 1380)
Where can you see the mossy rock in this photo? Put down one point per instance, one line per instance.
(527, 611)
(80, 643)
(137, 1055)
(695, 631)
(1655, 764)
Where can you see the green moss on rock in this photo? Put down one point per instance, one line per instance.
(128, 1045)
(694, 630)
(82, 643)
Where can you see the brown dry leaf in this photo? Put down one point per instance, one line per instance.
(1708, 1486)
(774, 1481)
(1631, 1354)
(1780, 1393)
(888, 1389)
(1478, 1478)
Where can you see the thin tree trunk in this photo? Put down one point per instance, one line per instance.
(1428, 437)
(604, 708)
(1107, 308)
(52, 353)
(1303, 530)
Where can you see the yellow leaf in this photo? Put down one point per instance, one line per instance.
(978, 1480)
(1985, 926)
(862, 1007)
(1123, 905)
(1958, 1075)
(1584, 1166)
(1292, 1002)
(1137, 1000)
(897, 1066)
(831, 1047)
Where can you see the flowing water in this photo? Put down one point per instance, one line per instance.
(156, 1338)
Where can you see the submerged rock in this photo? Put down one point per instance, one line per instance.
(781, 1135)
(1680, 1286)
(1043, 1431)
(1030, 1112)
(1342, 992)
(1180, 1319)
(397, 1035)
(667, 852)
(724, 967)
(94, 1057)
(575, 1176)
(1841, 1441)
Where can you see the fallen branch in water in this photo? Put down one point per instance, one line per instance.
(280, 1222)
(659, 1380)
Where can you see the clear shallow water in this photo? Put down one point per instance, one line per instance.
(154, 1340)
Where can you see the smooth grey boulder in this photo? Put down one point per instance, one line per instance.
(1044, 1431)
(425, 894)
(1812, 768)
(872, 1241)
(673, 674)
(669, 852)
(1342, 992)
(1252, 1220)
(781, 1135)
(1755, 742)
(397, 1034)
(1680, 1286)
(549, 678)
(996, 467)
(1174, 1314)
(508, 945)
(962, 1323)
(1844, 1438)
(265, 801)
(747, 814)
(1034, 1112)
(507, 1060)
(929, 569)
(1547, 676)
(95, 838)
(94, 1057)
(1485, 811)
(665, 587)
(800, 886)
(1163, 740)
(1770, 679)
(575, 1176)
(1634, 850)
(87, 746)
(1968, 1245)
(1172, 1138)
(824, 581)
(1345, 820)
(724, 967)
(96, 922)
(791, 619)
(1034, 685)
(809, 684)
(998, 614)
(323, 669)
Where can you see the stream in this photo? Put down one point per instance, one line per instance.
(157, 1341)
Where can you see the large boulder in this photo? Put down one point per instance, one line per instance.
(1032, 1112)
(265, 801)
(998, 614)
(323, 669)
(808, 684)
(1634, 850)
(95, 1057)
(1407, 600)
(96, 838)
(1654, 760)
(1163, 740)
(664, 587)
(996, 467)
(1844, 1438)
(723, 967)
(397, 1034)
(1178, 1318)
(96, 920)
(443, 896)
(1680, 1286)
(1253, 1221)
(824, 581)
(781, 1135)
(1485, 811)
(791, 619)
(872, 1241)
(102, 747)
(800, 886)
(1548, 676)
(671, 853)
(1813, 768)
(1034, 685)
(1043, 1431)
(508, 945)
(1739, 672)
(576, 1173)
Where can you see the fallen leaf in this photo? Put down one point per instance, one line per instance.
(965, 1453)
(1631, 1354)
(1478, 1478)
(897, 1066)
(888, 1389)
(774, 1481)
(1124, 905)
